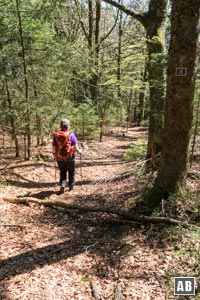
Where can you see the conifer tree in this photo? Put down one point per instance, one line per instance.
(154, 23)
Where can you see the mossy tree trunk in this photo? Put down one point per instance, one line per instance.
(155, 33)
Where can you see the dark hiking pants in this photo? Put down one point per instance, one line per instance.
(67, 167)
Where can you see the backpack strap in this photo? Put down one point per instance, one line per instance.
(70, 135)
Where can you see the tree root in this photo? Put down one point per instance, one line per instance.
(122, 214)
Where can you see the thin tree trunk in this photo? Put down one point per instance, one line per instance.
(27, 115)
(119, 94)
(195, 134)
(3, 139)
(90, 20)
(95, 54)
(102, 122)
(83, 128)
(93, 80)
(142, 96)
(129, 103)
(12, 121)
(40, 137)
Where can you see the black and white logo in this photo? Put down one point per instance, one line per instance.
(184, 285)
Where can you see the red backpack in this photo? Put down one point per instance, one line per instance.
(64, 150)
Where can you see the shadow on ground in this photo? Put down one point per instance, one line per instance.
(95, 234)
(30, 184)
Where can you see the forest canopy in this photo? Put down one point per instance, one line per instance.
(102, 64)
(49, 68)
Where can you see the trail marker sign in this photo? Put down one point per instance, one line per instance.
(181, 72)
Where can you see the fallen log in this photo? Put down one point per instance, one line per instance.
(123, 214)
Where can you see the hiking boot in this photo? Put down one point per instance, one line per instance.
(71, 188)
(62, 190)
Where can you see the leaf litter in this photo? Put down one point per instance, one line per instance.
(70, 255)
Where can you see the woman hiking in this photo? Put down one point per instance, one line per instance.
(64, 146)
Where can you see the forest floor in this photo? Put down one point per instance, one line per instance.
(52, 254)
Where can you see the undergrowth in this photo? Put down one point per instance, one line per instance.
(185, 255)
(136, 151)
(185, 242)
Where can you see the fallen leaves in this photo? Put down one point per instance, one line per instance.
(57, 255)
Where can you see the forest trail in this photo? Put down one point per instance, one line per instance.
(69, 255)
(100, 167)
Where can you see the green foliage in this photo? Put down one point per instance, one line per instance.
(111, 118)
(86, 121)
(85, 278)
(3, 182)
(138, 173)
(186, 246)
(136, 151)
(144, 123)
(60, 67)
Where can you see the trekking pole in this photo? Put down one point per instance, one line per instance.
(55, 165)
(81, 170)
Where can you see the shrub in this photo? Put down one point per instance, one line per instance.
(136, 151)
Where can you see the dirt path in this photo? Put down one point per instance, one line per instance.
(57, 255)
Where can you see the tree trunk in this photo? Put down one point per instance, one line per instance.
(129, 119)
(180, 94)
(195, 134)
(155, 32)
(27, 114)
(40, 136)
(90, 21)
(142, 96)
(94, 48)
(102, 121)
(12, 121)
(119, 92)
(154, 23)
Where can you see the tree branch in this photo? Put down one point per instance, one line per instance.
(110, 31)
(81, 22)
(123, 214)
(139, 17)
(13, 225)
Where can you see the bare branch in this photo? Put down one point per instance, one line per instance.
(110, 31)
(82, 25)
(13, 225)
(139, 17)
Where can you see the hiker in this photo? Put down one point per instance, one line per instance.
(64, 146)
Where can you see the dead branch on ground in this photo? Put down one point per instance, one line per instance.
(13, 225)
(123, 214)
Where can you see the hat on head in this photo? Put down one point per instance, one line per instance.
(65, 122)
